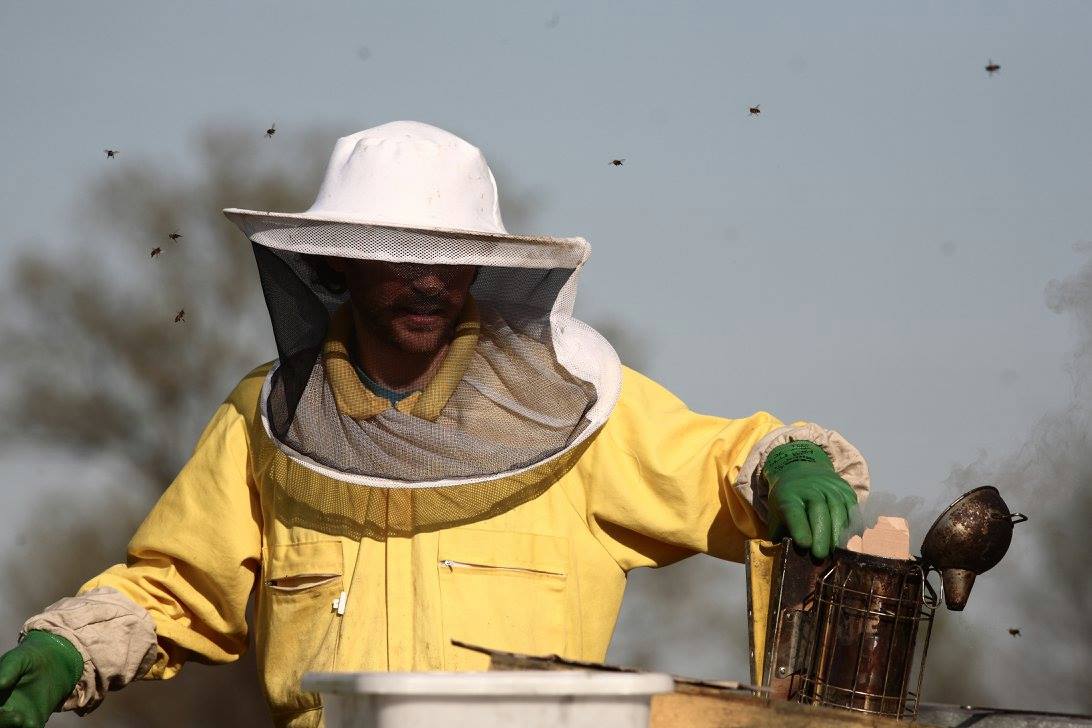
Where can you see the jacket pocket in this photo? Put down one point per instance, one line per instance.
(297, 623)
(505, 591)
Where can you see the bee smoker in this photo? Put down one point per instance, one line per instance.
(852, 631)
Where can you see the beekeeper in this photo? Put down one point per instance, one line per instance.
(440, 451)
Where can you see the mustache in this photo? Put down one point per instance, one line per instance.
(413, 271)
(434, 302)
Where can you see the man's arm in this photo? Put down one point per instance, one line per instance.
(188, 576)
(663, 482)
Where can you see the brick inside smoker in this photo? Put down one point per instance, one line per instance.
(890, 538)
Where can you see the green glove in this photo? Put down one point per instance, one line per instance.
(36, 677)
(807, 498)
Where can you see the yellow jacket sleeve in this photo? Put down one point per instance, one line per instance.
(193, 562)
(660, 479)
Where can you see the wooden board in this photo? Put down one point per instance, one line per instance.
(681, 710)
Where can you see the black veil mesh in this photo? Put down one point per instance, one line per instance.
(301, 300)
(516, 406)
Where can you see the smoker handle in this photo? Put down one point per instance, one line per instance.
(929, 593)
(1015, 518)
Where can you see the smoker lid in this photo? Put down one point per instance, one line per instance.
(973, 533)
(969, 538)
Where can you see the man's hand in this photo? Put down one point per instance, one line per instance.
(807, 498)
(35, 678)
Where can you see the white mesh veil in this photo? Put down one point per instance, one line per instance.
(537, 384)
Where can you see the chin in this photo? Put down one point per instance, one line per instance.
(420, 342)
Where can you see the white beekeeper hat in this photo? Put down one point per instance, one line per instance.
(415, 177)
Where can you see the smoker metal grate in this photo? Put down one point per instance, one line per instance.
(868, 616)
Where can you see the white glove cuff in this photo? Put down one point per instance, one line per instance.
(115, 636)
(848, 463)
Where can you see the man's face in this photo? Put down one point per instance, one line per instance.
(411, 306)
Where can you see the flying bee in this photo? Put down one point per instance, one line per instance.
(992, 68)
(617, 162)
(1014, 631)
(271, 131)
(156, 251)
(175, 236)
(180, 317)
(755, 111)
(111, 153)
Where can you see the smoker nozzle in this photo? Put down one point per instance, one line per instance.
(957, 588)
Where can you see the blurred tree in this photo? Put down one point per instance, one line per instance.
(689, 618)
(97, 365)
(105, 304)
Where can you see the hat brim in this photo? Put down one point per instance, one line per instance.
(539, 251)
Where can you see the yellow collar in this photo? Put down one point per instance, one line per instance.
(355, 400)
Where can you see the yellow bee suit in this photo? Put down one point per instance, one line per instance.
(656, 484)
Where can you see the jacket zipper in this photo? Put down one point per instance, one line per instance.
(452, 565)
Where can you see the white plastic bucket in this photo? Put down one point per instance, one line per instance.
(500, 699)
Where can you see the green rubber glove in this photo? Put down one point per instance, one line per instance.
(36, 677)
(807, 498)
